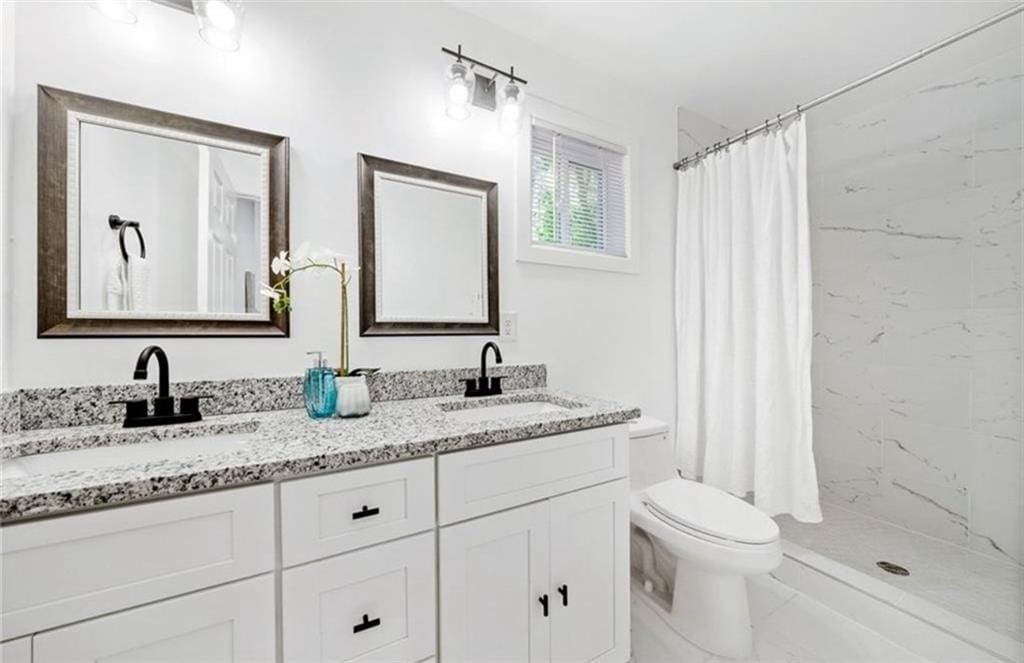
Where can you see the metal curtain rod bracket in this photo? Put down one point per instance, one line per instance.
(800, 108)
(510, 74)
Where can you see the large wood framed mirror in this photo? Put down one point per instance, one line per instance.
(155, 224)
(428, 244)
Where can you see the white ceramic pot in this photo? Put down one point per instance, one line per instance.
(353, 396)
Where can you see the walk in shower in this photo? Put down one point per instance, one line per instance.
(916, 199)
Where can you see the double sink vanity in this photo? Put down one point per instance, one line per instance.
(436, 528)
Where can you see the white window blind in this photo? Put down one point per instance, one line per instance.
(577, 191)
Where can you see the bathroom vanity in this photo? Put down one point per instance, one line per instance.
(434, 529)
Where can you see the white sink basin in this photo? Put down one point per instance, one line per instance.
(125, 454)
(504, 411)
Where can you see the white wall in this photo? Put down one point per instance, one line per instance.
(340, 79)
(6, 134)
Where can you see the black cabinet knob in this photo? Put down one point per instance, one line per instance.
(564, 591)
(544, 604)
(365, 512)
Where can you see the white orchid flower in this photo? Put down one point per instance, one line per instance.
(280, 265)
(267, 291)
(301, 255)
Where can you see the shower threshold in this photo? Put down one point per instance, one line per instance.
(953, 603)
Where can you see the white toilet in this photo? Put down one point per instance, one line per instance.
(716, 538)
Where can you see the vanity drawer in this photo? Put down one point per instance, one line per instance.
(375, 604)
(70, 568)
(480, 481)
(334, 513)
(229, 624)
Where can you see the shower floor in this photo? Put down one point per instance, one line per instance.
(979, 588)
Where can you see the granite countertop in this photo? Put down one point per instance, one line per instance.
(277, 445)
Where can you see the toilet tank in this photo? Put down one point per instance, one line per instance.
(651, 453)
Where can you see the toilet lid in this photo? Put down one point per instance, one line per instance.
(712, 511)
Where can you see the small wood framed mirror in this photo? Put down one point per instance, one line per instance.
(428, 243)
(155, 224)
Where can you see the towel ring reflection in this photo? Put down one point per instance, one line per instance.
(121, 225)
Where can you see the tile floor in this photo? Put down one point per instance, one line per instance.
(976, 587)
(788, 626)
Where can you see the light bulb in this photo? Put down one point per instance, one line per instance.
(458, 92)
(459, 80)
(220, 22)
(122, 11)
(221, 15)
(510, 107)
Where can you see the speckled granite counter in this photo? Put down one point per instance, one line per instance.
(284, 443)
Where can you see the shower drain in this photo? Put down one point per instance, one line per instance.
(894, 569)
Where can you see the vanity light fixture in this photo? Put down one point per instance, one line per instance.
(510, 107)
(464, 86)
(220, 22)
(122, 11)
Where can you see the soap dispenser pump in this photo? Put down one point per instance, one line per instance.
(318, 388)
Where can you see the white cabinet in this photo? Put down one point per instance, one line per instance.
(229, 624)
(334, 513)
(543, 582)
(16, 651)
(480, 481)
(375, 604)
(62, 570)
(590, 575)
(494, 571)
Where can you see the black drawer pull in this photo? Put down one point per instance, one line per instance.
(564, 591)
(367, 623)
(544, 604)
(366, 512)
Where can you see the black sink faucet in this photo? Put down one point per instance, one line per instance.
(484, 386)
(142, 368)
(137, 410)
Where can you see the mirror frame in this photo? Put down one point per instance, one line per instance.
(52, 233)
(368, 323)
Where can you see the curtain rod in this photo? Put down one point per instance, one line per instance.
(779, 119)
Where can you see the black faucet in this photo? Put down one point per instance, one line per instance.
(483, 385)
(137, 410)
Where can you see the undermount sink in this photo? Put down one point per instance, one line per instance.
(504, 411)
(123, 454)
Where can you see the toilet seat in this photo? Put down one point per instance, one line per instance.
(709, 513)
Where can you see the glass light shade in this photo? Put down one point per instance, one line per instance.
(220, 22)
(510, 107)
(459, 79)
(122, 11)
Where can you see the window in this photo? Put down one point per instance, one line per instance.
(577, 193)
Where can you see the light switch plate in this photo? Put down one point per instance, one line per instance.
(509, 325)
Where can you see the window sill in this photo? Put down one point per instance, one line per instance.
(564, 257)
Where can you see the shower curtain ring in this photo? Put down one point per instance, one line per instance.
(779, 118)
(745, 135)
(766, 126)
(798, 110)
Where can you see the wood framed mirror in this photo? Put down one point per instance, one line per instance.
(155, 224)
(428, 251)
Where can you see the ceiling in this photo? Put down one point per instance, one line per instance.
(734, 61)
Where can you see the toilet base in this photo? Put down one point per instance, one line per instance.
(711, 611)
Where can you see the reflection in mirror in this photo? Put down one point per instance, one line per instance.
(417, 221)
(195, 208)
(155, 224)
(428, 251)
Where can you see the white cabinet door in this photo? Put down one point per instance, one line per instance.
(374, 604)
(493, 572)
(230, 624)
(16, 651)
(590, 575)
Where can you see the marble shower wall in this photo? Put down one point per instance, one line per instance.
(916, 206)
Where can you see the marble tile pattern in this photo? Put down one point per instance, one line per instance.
(59, 407)
(916, 200)
(285, 443)
(982, 589)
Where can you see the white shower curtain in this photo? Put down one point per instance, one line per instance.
(743, 323)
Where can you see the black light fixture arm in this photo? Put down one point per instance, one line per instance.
(510, 74)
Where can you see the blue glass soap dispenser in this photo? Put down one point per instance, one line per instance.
(318, 388)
